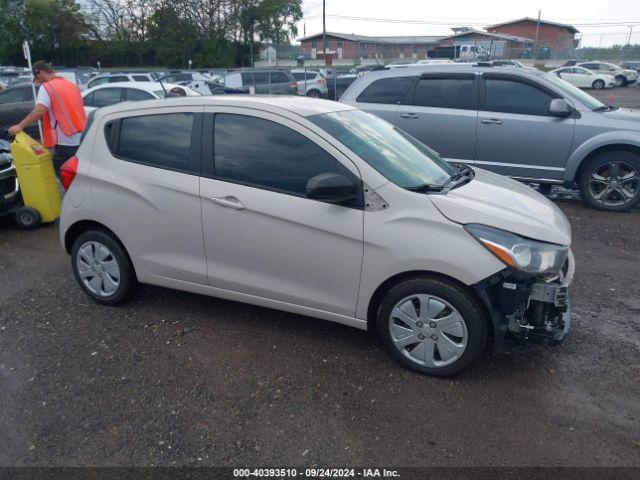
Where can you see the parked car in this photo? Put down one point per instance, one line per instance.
(328, 212)
(202, 83)
(583, 78)
(118, 78)
(15, 103)
(112, 93)
(518, 122)
(310, 83)
(273, 82)
(631, 66)
(337, 82)
(623, 77)
(434, 61)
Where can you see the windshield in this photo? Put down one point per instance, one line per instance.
(399, 157)
(574, 92)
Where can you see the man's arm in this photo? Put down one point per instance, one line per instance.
(35, 115)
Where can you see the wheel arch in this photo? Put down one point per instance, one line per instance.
(384, 287)
(609, 141)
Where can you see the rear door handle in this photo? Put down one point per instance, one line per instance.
(492, 121)
(228, 202)
(409, 115)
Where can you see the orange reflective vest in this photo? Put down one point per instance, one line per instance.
(67, 109)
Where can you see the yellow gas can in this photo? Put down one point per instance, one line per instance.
(37, 177)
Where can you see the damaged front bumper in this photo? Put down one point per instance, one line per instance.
(525, 308)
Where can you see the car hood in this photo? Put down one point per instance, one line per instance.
(627, 114)
(497, 201)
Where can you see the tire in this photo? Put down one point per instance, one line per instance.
(544, 189)
(621, 81)
(609, 170)
(28, 218)
(598, 85)
(314, 93)
(447, 349)
(103, 268)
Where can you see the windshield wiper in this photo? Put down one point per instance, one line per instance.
(425, 187)
(465, 174)
(606, 108)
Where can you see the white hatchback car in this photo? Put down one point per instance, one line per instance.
(320, 209)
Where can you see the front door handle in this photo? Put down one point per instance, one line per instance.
(492, 121)
(409, 115)
(228, 202)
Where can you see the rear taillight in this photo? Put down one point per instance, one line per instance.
(294, 85)
(68, 172)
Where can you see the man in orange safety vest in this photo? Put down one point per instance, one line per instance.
(65, 117)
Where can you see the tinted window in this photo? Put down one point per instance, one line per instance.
(298, 76)
(97, 81)
(134, 95)
(386, 90)
(259, 152)
(13, 95)
(106, 96)
(163, 141)
(590, 66)
(247, 79)
(515, 97)
(279, 77)
(140, 78)
(445, 93)
(118, 78)
(88, 100)
(261, 78)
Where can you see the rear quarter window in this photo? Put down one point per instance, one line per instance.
(386, 90)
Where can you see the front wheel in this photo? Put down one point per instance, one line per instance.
(611, 181)
(314, 94)
(598, 85)
(102, 268)
(432, 326)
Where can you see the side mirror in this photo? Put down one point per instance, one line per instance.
(560, 108)
(331, 188)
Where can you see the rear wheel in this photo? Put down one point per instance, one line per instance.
(611, 181)
(314, 93)
(102, 268)
(432, 326)
(598, 84)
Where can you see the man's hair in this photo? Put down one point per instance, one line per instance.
(42, 66)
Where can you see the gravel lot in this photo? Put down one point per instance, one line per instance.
(174, 378)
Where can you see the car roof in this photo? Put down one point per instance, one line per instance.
(146, 86)
(281, 104)
(401, 70)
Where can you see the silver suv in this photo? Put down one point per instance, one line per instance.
(522, 123)
(320, 209)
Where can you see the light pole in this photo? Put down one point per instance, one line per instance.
(324, 33)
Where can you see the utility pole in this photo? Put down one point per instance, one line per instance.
(535, 43)
(324, 32)
(624, 50)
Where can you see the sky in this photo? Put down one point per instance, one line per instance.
(441, 16)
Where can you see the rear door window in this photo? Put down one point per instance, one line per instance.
(386, 90)
(106, 96)
(458, 93)
(140, 78)
(280, 77)
(162, 140)
(261, 78)
(133, 95)
(510, 96)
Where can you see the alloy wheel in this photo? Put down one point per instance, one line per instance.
(428, 330)
(614, 183)
(98, 269)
